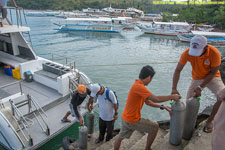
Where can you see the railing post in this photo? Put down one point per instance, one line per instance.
(52, 56)
(21, 91)
(66, 60)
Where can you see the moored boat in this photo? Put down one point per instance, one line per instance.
(34, 93)
(91, 24)
(165, 28)
(214, 38)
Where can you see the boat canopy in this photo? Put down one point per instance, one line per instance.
(89, 19)
(204, 33)
(13, 29)
(172, 23)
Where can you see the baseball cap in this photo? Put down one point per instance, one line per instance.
(197, 45)
(82, 90)
(146, 71)
(94, 89)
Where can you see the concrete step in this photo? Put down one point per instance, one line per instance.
(126, 143)
(140, 144)
(200, 140)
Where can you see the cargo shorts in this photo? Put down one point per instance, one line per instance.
(142, 125)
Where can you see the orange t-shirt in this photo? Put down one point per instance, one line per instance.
(135, 100)
(201, 65)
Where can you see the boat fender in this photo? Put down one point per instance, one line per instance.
(66, 141)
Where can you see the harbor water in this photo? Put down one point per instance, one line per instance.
(115, 59)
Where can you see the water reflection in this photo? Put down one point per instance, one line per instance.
(91, 35)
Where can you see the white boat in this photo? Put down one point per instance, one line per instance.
(34, 94)
(214, 38)
(42, 13)
(165, 28)
(91, 24)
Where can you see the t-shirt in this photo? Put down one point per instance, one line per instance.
(135, 100)
(201, 65)
(77, 100)
(106, 108)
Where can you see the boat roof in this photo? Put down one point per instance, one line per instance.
(89, 19)
(13, 28)
(173, 23)
(204, 33)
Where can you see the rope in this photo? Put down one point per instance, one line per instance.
(131, 64)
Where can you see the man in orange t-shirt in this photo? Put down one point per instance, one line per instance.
(205, 61)
(131, 117)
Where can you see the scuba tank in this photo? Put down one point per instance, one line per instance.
(83, 138)
(177, 122)
(90, 122)
(192, 107)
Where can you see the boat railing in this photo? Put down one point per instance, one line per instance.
(20, 16)
(23, 122)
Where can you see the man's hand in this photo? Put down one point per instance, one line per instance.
(168, 109)
(115, 117)
(174, 91)
(176, 97)
(90, 107)
(81, 121)
(197, 92)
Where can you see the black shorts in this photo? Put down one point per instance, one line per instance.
(3, 12)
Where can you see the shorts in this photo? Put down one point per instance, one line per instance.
(3, 12)
(73, 113)
(142, 125)
(215, 85)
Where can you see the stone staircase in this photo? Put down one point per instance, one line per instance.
(137, 141)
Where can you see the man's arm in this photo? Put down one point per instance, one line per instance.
(176, 77)
(116, 113)
(14, 3)
(160, 99)
(207, 79)
(90, 103)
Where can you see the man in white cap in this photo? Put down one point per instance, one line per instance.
(205, 61)
(107, 110)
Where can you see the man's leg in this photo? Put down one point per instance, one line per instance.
(65, 118)
(102, 129)
(117, 143)
(150, 139)
(215, 85)
(110, 125)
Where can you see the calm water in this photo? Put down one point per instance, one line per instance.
(114, 60)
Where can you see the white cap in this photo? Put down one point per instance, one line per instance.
(94, 89)
(197, 45)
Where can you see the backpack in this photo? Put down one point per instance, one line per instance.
(107, 96)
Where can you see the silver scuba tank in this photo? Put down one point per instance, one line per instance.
(83, 138)
(177, 123)
(192, 107)
(90, 122)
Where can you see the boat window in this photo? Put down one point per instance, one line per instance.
(3, 142)
(25, 53)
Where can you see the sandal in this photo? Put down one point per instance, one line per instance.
(66, 120)
(208, 128)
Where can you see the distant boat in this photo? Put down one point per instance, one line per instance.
(214, 38)
(42, 13)
(92, 24)
(165, 28)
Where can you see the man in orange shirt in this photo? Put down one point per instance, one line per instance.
(205, 61)
(131, 117)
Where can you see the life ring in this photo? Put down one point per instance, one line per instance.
(66, 141)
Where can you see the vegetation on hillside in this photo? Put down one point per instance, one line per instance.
(211, 14)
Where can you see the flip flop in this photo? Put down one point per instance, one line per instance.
(208, 128)
(65, 121)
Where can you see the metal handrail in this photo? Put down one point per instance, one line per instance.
(17, 82)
